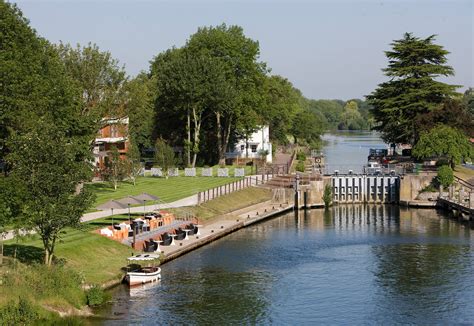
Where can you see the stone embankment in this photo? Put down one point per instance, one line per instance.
(223, 226)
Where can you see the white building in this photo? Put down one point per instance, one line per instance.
(258, 142)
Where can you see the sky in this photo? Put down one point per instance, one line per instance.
(327, 49)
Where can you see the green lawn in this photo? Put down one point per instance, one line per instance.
(463, 173)
(228, 203)
(96, 257)
(168, 190)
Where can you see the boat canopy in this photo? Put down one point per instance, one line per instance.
(144, 257)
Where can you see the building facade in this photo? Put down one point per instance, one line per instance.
(258, 143)
(114, 133)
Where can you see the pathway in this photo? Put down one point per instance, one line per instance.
(188, 201)
(228, 223)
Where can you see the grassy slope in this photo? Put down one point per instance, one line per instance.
(168, 190)
(463, 173)
(231, 202)
(100, 259)
(97, 258)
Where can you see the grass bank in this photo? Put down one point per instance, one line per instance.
(231, 202)
(168, 190)
(463, 172)
(83, 257)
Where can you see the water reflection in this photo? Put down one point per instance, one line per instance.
(363, 264)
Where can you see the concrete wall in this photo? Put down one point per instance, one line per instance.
(411, 185)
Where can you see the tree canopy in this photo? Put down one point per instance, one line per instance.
(214, 91)
(444, 141)
(45, 140)
(412, 90)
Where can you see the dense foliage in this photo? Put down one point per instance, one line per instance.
(444, 141)
(45, 140)
(214, 91)
(412, 90)
(445, 176)
(337, 114)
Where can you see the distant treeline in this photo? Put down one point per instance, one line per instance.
(343, 115)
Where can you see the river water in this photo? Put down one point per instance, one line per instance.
(354, 264)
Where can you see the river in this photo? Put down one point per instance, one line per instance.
(354, 264)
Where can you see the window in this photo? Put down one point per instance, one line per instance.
(254, 148)
(113, 130)
(242, 147)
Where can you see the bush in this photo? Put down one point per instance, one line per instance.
(21, 313)
(327, 195)
(96, 296)
(300, 167)
(301, 156)
(445, 176)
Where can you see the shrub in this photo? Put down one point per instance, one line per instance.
(301, 156)
(327, 195)
(300, 167)
(96, 296)
(445, 175)
(21, 313)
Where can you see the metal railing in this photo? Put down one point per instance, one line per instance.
(216, 192)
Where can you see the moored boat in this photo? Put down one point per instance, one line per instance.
(143, 274)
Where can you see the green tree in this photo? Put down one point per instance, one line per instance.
(331, 110)
(306, 128)
(412, 90)
(351, 118)
(240, 85)
(453, 113)
(189, 85)
(164, 156)
(134, 165)
(444, 141)
(50, 166)
(468, 99)
(116, 167)
(98, 76)
(327, 196)
(282, 103)
(445, 176)
(140, 100)
(34, 82)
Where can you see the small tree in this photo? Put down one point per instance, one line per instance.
(134, 165)
(49, 165)
(327, 196)
(445, 176)
(443, 141)
(116, 167)
(164, 156)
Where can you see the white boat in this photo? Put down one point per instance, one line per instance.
(143, 274)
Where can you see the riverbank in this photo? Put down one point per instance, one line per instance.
(223, 226)
(95, 259)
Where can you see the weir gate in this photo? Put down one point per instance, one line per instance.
(365, 188)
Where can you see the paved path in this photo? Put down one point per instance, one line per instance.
(217, 228)
(282, 158)
(188, 201)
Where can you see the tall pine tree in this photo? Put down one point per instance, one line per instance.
(412, 90)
